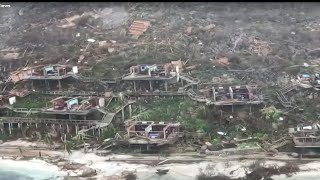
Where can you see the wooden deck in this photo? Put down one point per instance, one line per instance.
(45, 120)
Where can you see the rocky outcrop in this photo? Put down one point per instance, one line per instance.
(86, 172)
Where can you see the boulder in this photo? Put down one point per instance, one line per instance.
(294, 154)
(70, 178)
(72, 166)
(61, 163)
(86, 172)
(204, 147)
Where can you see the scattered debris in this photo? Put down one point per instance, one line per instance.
(102, 43)
(91, 40)
(110, 50)
(223, 61)
(188, 31)
(161, 172)
(209, 27)
(137, 28)
(81, 58)
(69, 22)
(259, 47)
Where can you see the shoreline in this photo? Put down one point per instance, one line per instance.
(92, 165)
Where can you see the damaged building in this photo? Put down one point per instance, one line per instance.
(47, 74)
(73, 106)
(156, 76)
(232, 95)
(306, 136)
(77, 113)
(151, 134)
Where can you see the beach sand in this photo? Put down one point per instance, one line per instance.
(113, 165)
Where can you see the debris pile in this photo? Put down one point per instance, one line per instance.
(137, 28)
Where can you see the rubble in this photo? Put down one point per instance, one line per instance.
(137, 28)
(188, 31)
(209, 27)
(102, 43)
(256, 50)
(223, 61)
(260, 47)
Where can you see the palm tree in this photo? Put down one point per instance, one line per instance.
(80, 138)
(67, 145)
(271, 113)
(48, 140)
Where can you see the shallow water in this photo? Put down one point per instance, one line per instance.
(19, 170)
(4, 174)
(299, 178)
(22, 174)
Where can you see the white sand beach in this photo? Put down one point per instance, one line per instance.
(114, 165)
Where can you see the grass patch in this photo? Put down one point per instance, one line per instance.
(176, 110)
(32, 101)
(114, 105)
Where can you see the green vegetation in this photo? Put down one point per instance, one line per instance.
(260, 136)
(3, 137)
(109, 132)
(114, 104)
(271, 113)
(32, 101)
(236, 82)
(190, 116)
(68, 145)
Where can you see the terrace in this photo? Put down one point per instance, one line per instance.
(52, 72)
(154, 72)
(236, 95)
(149, 132)
(69, 105)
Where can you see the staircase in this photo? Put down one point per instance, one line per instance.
(182, 89)
(188, 78)
(194, 96)
(282, 92)
(191, 81)
(265, 97)
(283, 100)
(289, 88)
(109, 116)
(102, 110)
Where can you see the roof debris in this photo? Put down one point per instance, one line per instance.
(137, 28)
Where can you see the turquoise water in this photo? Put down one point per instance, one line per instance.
(25, 175)
(13, 175)
(10, 170)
